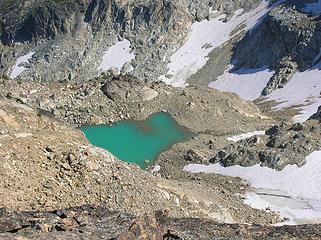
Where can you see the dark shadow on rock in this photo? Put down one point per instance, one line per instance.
(170, 236)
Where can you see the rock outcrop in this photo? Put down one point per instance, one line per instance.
(285, 32)
(281, 146)
(99, 222)
(284, 72)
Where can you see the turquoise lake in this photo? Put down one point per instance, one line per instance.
(138, 141)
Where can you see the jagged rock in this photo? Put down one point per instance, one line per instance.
(297, 127)
(126, 69)
(273, 130)
(284, 73)
(148, 94)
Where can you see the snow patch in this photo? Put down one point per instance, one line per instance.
(294, 210)
(17, 69)
(204, 37)
(294, 192)
(303, 90)
(312, 8)
(247, 83)
(245, 136)
(156, 169)
(116, 56)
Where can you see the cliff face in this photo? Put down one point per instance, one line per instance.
(285, 32)
(33, 20)
(286, 40)
(29, 21)
(68, 36)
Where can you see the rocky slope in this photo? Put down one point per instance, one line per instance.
(97, 25)
(285, 39)
(53, 51)
(110, 99)
(49, 165)
(77, 40)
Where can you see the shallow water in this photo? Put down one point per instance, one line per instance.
(138, 142)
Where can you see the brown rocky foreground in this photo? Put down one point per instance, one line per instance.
(98, 222)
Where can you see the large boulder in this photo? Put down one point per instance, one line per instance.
(128, 88)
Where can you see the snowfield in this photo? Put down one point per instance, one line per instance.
(116, 56)
(245, 136)
(203, 38)
(247, 83)
(17, 69)
(293, 192)
(303, 90)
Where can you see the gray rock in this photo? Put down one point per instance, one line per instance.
(156, 29)
(284, 39)
(195, 157)
(280, 146)
(284, 73)
(317, 115)
(297, 127)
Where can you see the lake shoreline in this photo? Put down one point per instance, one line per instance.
(130, 139)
